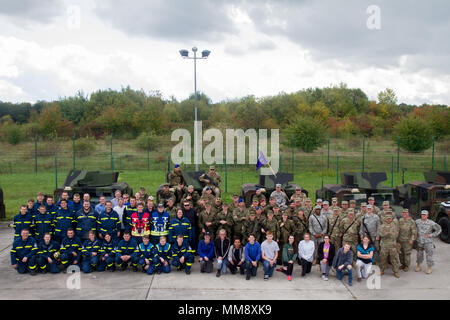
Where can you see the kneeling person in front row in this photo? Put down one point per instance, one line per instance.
(252, 256)
(107, 254)
(91, 253)
(47, 255)
(206, 253)
(269, 253)
(23, 253)
(343, 260)
(71, 249)
(236, 257)
(182, 254)
(163, 255)
(127, 252)
(146, 254)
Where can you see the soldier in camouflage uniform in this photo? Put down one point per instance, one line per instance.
(191, 196)
(258, 195)
(171, 209)
(389, 247)
(298, 195)
(318, 226)
(370, 225)
(208, 197)
(307, 208)
(376, 210)
(255, 203)
(270, 223)
(334, 204)
(217, 206)
(333, 228)
(240, 215)
(207, 222)
(352, 205)
(224, 219)
(176, 181)
(344, 209)
(406, 236)
(212, 180)
(426, 231)
(277, 213)
(387, 209)
(291, 211)
(269, 207)
(326, 210)
(235, 202)
(300, 226)
(251, 226)
(287, 228)
(162, 196)
(349, 231)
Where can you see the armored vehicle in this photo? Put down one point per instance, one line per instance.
(359, 186)
(96, 183)
(267, 185)
(191, 178)
(433, 195)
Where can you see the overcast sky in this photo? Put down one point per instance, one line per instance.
(52, 48)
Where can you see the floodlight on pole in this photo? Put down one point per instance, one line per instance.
(185, 55)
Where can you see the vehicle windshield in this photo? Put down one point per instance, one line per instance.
(443, 194)
(358, 197)
(380, 197)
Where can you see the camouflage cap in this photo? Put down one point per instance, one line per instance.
(350, 211)
(190, 186)
(278, 185)
(352, 201)
(308, 200)
(318, 200)
(405, 210)
(298, 188)
(388, 215)
(369, 206)
(336, 208)
(388, 211)
(212, 168)
(371, 199)
(344, 202)
(363, 204)
(166, 184)
(326, 202)
(317, 208)
(285, 213)
(275, 206)
(150, 198)
(385, 203)
(424, 212)
(252, 213)
(334, 199)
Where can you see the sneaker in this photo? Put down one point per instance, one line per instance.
(266, 277)
(326, 278)
(418, 268)
(323, 277)
(350, 284)
(289, 278)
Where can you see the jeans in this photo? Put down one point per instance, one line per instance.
(88, 261)
(325, 268)
(366, 267)
(268, 270)
(340, 274)
(251, 270)
(43, 264)
(221, 265)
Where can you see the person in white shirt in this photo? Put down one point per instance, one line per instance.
(306, 249)
(120, 208)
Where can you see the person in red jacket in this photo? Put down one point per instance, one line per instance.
(140, 223)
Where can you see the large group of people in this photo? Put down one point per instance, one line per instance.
(178, 226)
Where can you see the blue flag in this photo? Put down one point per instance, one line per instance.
(262, 161)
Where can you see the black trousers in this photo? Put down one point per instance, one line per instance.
(251, 270)
(233, 268)
(306, 266)
(290, 267)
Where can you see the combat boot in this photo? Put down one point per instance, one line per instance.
(406, 269)
(428, 270)
(418, 268)
(396, 275)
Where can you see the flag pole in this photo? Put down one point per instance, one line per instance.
(271, 169)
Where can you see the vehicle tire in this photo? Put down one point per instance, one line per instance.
(444, 222)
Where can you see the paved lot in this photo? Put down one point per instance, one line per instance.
(130, 285)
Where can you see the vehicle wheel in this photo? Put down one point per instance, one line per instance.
(444, 222)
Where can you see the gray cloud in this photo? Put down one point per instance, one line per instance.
(175, 20)
(42, 11)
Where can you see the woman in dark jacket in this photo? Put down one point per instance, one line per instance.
(325, 254)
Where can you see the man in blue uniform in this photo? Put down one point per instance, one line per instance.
(182, 254)
(70, 249)
(159, 224)
(180, 225)
(90, 253)
(64, 219)
(163, 255)
(108, 221)
(23, 220)
(43, 223)
(46, 259)
(127, 252)
(23, 253)
(146, 254)
(107, 254)
(86, 220)
(50, 206)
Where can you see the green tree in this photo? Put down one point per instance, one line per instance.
(414, 133)
(308, 133)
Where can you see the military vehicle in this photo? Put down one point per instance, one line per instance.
(96, 183)
(433, 195)
(359, 186)
(191, 178)
(2, 206)
(267, 184)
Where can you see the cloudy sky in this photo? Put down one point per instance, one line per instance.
(53, 48)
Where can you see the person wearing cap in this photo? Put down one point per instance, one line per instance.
(388, 243)
(319, 202)
(224, 219)
(287, 228)
(191, 195)
(163, 195)
(208, 196)
(143, 193)
(251, 226)
(298, 195)
(406, 236)
(344, 208)
(307, 208)
(426, 231)
(255, 203)
(352, 205)
(240, 215)
(206, 253)
(271, 224)
(385, 210)
(335, 204)
(217, 206)
(269, 207)
(370, 225)
(176, 181)
(292, 210)
(300, 226)
(349, 231)
(326, 210)
(207, 221)
(280, 197)
(171, 208)
(159, 224)
(318, 225)
(276, 212)
(333, 227)
(258, 195)
(376, 210)
(212, 180)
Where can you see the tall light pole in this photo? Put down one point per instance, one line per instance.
(185, 54)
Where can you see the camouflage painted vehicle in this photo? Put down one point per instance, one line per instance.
(191, 178)
(2, 206)
(96, 183)
(433, 195)
(267, 184)
(359, 186)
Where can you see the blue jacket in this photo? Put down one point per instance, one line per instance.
(43, 223)
(108, 248)
(146, 251)
(63, 220)
(127, 248)
(206, 250)
(181, 251)
(36, 206)
(91, 246)
(21, 249)
(180, 226)
(100, 208)
(22, 221)
(51, 209)
(48, 250)
(85, 222)
(160, 224)
(252, 252)
(108, 222)
(70, 245)
(76, 206)
(162, 252)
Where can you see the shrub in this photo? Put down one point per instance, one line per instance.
(415, 134)
(85, 146)
(14, 134)
(308, 133)
(156, 142)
